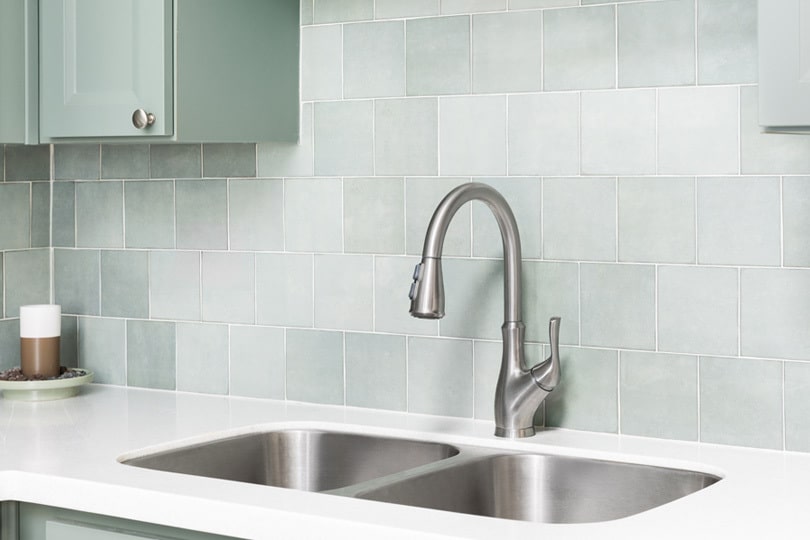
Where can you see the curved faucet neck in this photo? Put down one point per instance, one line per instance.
(439, 223)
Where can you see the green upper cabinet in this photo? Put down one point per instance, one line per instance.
(19, 99)
(169, 70)
(101, 61)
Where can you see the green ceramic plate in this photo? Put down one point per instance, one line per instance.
(45, 390)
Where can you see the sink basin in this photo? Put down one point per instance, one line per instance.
(309, 460)
(548, 489)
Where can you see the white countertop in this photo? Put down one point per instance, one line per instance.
(64, 453)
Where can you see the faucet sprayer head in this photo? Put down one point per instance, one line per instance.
(427, 290)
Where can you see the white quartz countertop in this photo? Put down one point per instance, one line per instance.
(64, 453)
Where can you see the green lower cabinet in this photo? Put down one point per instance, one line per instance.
(35, 522)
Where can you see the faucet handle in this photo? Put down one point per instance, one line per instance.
(547, 373)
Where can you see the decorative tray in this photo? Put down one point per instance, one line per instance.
(47, 389)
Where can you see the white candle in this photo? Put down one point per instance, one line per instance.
(41, 321)
(40, 330)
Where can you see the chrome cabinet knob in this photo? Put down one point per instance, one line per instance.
(142, 119)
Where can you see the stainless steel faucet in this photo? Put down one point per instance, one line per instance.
(520, 390)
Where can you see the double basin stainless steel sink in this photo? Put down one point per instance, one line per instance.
(457, 478)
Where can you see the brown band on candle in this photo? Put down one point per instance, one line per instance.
(39, 356)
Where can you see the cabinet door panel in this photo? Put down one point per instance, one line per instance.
(100, 60)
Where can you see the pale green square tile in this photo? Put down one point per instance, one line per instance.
(472, 135)
(124, 161)
(406, 136)
(487, 368)
(768, 153)
(392, 281)
(256, 214)
(698, 130)
(587, 396)
(40, 214)
(659, 394)
(524, 198)
(437, 53)
(579, 48)
(471, 6)
(149, 214)
(618, 305)
(543, 134)
(422, 196)
(735, 411)
(473, 298)
(101, 346)
(175, 161)
(797, 406)
(228, 287)
(315, 366)
(27, 279)
(15, 216)
(507, 52)
(376, 371)
(174, 285)
(76, 281)
(69, 342)
(739, 221)
(125, 284)
(796, 220)
(344, 138)
(329, 11)
(202, 358)
(657, 220)
(374, 59)
(100, 214)
(551, 290)
(727, 41)
(579, 219)
(28, 162)
(151, 361)
(440, 376)
(697, 310)
(284, 289)
(532, 4)
(2, 277)
(394, 9)
(202, 214)
(290, 159)
(374, 215)
(313, 214)
(64, 212)
(229, 160)
(344, 292)
(257, 362)
(774, 314)
(322, 62)
(657, 43)
(76, 161)
(307, 9)
(618, 132)
(9, 344)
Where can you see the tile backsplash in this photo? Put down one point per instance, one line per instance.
(668, 232)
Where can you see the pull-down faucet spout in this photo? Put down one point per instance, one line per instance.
(519, 391)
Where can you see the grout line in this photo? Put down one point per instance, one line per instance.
(699, 383)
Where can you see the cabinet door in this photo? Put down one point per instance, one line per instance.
(19, 103)
(37, 522)
(784, 63)
(100, 61)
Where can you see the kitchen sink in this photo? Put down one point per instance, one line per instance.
(308, 460)
(541, 488)
(456, 478)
